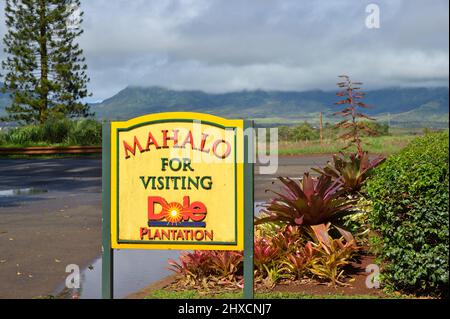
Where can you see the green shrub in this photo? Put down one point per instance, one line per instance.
(410, 214)
(86, 132)
(25, 135)
(380, 129)
(305, 132)
(57, 131)
(302, 132)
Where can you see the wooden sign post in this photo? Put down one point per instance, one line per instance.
(177, 181)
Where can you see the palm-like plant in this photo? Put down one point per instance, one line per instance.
(309, 202)
(351, 170)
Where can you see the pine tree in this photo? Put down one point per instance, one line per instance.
(45, 71)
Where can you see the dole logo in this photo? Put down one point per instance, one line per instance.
(175, 214)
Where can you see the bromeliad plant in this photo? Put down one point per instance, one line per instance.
(351, 170)
(286, 245)
(221, 267)
(298, 261)
(289, 238)
(226, 264)
(285, 255)
(294, 253)
(192, 265)
(331, 254)
(264, 252)
(308, 202)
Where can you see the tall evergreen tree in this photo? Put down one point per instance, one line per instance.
(45, 71)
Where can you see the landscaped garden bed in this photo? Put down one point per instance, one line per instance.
(365, 222)
(316, 238)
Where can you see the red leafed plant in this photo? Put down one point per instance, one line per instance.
(351, 170)
(297, 262)
(352, 96)
(288, 238)
(204, 269)
(192, 265)
(263, 251)
(311, 201)
(226, 263)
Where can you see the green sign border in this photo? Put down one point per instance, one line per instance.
(161, 242)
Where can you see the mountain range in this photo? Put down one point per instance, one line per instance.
(399, 106)
(418, 107)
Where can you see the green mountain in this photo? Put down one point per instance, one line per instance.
(430, 114)
(134, 101)
(399, 106)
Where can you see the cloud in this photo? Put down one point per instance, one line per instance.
(218, 45)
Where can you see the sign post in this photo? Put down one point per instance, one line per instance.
(249, 213)
(107, 252)
(177, 180)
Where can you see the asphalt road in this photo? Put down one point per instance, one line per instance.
(60, 224)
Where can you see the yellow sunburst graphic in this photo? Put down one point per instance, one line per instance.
(174, 213)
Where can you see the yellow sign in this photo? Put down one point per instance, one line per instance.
(177, 182)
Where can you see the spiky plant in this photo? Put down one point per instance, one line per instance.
(352, 101)
(352, 170)
(331, 255)
(311, 201)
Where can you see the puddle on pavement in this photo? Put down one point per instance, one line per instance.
(133, 271)
(21, 192)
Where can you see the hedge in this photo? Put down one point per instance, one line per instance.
(410, 194)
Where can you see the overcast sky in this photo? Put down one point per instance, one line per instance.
(227, 45)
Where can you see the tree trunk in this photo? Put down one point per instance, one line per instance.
(44, 62)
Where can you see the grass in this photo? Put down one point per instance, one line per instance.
(193, 294)
(379, 145)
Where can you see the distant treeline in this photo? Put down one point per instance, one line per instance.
(308, 132)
